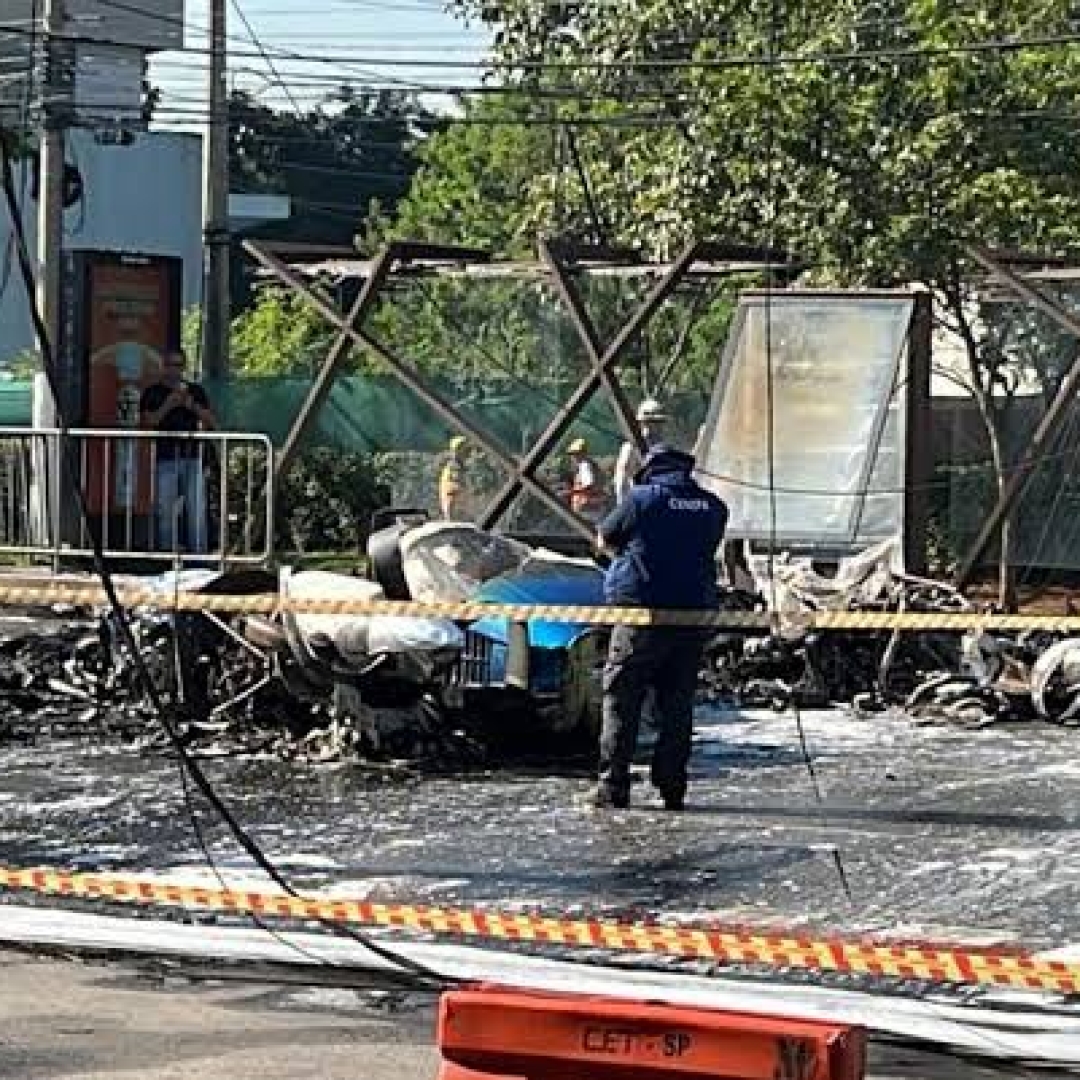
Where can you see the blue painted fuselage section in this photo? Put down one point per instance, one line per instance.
(544, 584)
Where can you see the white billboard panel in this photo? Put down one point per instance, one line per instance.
(806, 429)
(108, 84)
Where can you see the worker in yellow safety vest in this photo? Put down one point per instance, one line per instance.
(453, 488)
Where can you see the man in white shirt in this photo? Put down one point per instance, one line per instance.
(652, 420)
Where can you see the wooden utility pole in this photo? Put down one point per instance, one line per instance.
(50, 225)
(215, 330)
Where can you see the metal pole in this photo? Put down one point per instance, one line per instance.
(919, 465)
(215, 329)
(1048, 427)
(50, 229)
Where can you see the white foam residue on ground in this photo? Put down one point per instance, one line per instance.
(1060, 768)
(356, 888)
(366, 888)
(245, 878)
(1018, 855)
(104, 853)
(327, 998)
(302, 860)
(922, 869)
(74, 804)
(1066, 954)
(825, 729)
(238, 879)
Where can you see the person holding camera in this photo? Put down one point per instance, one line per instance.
(177, 409)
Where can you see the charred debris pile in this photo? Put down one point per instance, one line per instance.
(420, 694)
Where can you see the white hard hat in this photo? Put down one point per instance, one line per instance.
(650, 410)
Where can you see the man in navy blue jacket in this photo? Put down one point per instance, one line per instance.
(664, 535)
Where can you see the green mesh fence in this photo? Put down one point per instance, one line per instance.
(16, 409)
(373, 414)
(378, 415)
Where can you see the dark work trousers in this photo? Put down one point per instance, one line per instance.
(665, 659)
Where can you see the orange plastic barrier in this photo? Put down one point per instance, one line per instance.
(490, 1033)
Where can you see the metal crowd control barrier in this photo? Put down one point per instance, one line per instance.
(205, 497)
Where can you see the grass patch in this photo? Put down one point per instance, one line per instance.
(342, 562)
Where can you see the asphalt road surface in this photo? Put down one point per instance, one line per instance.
(924, 831)
(69, 1020)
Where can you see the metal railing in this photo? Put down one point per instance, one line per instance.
(178, 498)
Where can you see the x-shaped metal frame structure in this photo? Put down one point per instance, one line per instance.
(604, 362)
(522, 470)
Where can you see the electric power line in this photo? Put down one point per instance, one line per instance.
(745, 60)
(269, 63)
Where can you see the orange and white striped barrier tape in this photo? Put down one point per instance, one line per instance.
(923, 961)
(46, 593)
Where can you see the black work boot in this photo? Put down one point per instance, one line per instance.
(674, 798)
(607, 798)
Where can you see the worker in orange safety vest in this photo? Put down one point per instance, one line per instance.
(588, 496)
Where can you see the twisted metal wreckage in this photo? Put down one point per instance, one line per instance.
(439, 694)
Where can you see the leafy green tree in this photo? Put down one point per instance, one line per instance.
(470, 180)
(877, 164)
(495, 179)
(280, 334)
(338, 162)
(874, 137)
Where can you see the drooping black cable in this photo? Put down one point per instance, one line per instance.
(601, 231)
(425, 975)
(772, 209)
(185, 783)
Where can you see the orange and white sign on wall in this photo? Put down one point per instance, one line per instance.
(131, 317)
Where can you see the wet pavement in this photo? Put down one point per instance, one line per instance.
(920, 830)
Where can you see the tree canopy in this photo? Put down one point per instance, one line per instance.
(472, 181)
(872, 137)
(340, 161)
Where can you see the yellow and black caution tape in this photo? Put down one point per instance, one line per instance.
(933, 962)
(65, 593)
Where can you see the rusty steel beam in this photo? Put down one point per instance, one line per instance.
(339, 352)
(1049, 426)
(562, 420)
(416, 382)
(918, 454)
(586, 331)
